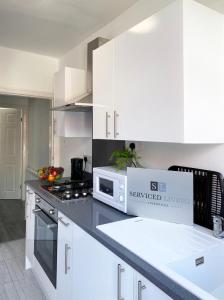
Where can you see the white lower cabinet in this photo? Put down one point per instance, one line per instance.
(30, 220)
(99, 274)
(65, 258)
(87, 270)
(146, 290)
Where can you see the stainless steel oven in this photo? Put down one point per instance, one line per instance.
(45, 238)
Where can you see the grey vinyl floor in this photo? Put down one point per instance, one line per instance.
(16, 283)
(12, 221)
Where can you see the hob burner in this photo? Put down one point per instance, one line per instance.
(71, 190)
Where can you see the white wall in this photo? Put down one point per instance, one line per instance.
(73, 147)
(164, 155)
(155, 155)
(26, 73)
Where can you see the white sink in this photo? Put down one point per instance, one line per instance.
(209, 275)
(173, 249)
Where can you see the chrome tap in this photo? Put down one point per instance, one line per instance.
(217, 227)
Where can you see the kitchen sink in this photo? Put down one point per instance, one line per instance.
(208, 274)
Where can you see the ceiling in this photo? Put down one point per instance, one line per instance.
(52, 27)
(215, 4)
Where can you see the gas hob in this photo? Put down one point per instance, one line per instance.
(71, 190)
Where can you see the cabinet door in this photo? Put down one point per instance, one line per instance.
(148, 79)
(69, 83)
(30, 205)
(64, 258)
(103, 91)
(59, 88)
(145, 290)
(99, 274)
(75, 84)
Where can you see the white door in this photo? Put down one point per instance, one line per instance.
(103, 91)
(10, 153)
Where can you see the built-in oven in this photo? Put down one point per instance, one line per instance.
(45, 238)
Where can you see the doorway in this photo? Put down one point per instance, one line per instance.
(25, 126)
(12, 224)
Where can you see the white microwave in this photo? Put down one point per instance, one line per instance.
(110, 187)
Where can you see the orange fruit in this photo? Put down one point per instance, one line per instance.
(51, 178)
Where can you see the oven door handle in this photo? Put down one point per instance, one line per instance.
(36, 210)
(49, 223)
(52, 225)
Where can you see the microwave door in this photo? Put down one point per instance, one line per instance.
(108, 188)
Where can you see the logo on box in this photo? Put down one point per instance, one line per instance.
(157, 186)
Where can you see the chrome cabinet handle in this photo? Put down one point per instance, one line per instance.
(60, 219)
(36, 210)
(120, 269)
(140, 288)
(116, 133)
(66, 258)
(107, 130)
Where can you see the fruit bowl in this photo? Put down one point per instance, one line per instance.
(50, 174)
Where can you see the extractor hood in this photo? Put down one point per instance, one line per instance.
(85, 102)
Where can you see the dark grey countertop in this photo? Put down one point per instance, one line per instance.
(89, 213)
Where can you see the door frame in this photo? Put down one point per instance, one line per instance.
(24, 137)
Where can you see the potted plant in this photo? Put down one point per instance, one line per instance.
(125, 158)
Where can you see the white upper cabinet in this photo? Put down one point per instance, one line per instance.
(69, 83)
(203, 73)
(166, 82)
(148, 79)
(103, 91)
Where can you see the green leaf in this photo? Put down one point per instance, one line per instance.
(124, 158)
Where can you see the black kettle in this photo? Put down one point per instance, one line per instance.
(76, 168)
